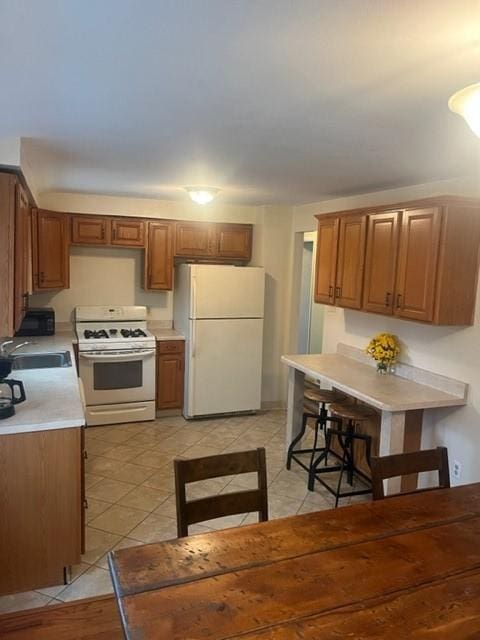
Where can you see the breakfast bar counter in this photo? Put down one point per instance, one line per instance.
(401, 398)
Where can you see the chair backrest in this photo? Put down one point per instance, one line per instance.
(404, 464)
(224, 504)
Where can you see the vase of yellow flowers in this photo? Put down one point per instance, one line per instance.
(384, 349)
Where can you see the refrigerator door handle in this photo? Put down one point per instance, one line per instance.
(194, 297)
(193, 341)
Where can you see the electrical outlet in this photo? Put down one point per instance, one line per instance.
(457, 469)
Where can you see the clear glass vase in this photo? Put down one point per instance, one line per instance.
(384, 368)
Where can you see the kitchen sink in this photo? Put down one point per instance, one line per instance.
(41, 360)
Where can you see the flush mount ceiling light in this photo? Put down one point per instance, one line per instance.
(202, 195)
(466, 103)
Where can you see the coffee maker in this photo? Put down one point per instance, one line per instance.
(12, 392)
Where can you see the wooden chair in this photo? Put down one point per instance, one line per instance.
(404, 464)
(224, 504)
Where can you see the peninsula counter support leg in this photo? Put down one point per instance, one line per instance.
(296, 389)
(400, 432)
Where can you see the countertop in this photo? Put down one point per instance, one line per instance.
(387, 393)
(53, 395)
(166, 334)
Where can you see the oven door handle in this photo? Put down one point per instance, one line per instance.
(117, 357)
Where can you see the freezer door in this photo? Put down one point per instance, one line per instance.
(222, 291)
(225, 366)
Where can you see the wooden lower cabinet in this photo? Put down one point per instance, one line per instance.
(40, 507)
(170, 374)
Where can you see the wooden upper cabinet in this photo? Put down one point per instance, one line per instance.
(350, 262)
(23, 255)
(126, 232)
(417, 264)
(90, 230)
(234, 241)
(195, 239)
(159, 256)
(208, 240)
(50, 250)
(326, 260)
(381, 262)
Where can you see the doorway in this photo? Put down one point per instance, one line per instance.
(310, 319)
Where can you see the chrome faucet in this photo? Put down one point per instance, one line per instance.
(5, 343)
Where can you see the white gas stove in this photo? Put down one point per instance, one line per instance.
(117, 364)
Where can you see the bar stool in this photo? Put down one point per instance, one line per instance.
(315, 407)
(346, 415)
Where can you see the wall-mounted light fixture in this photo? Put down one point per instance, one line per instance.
(466, 103)
(202, 195)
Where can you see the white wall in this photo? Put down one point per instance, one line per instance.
(216, 211)
(452, 351)
(10, 152)
(272, 249)
(113, 276)
(105, 275)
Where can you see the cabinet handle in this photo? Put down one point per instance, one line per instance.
(85, 455)
(387, 299)
(338, 291)
(330, 291)
(399, 300)
(42, 276)
(85, 504)
(103, 233)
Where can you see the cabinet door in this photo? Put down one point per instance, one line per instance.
(326, 260)
(234, 241)
(159, 256)
(195, 239)
(50, 248)
(381, 262)
(127, 233)
(170, 380)
(417, 264)
(351, 261)
(89, 230)
(23, 255)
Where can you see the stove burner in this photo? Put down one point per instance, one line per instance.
(100, 334)
(133, 333)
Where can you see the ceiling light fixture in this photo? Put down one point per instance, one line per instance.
(202, 195)
(466, 103)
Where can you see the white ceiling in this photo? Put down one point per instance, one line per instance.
(274, 101)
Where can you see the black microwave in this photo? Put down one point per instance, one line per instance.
(38, 321)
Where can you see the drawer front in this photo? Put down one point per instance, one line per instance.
(171, 346)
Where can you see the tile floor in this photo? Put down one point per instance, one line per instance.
(130, 490)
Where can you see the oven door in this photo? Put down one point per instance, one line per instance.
(111, 377)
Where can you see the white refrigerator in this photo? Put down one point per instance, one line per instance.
(219, 309)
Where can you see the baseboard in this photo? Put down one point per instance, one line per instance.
(271, 406)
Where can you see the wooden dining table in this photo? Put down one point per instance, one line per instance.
(400, 568)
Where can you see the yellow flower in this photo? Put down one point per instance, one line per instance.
(383, 347)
